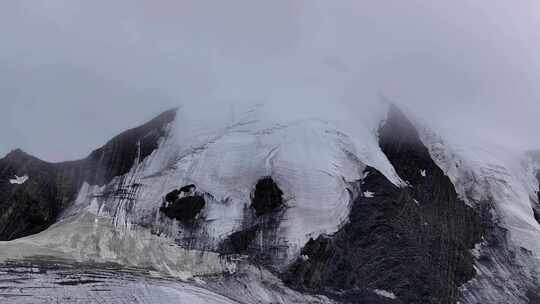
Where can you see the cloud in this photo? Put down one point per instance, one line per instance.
(73, 73)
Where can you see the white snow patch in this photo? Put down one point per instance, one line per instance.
(384, 293)
(369, 194)
(81, 239)
(19, 180)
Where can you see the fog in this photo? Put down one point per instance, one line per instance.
(74, 73)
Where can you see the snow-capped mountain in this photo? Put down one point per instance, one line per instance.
(268, 208)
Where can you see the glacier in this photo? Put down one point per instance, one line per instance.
(115, 230)
(487, 175)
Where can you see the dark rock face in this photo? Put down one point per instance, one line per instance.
(183, 204)
(536, 207)
(117, 156)
(240, 241)
(30, 206)
(267, 196)
(33, 206)
(259, 236)
(172, 196)
(453, 227)
(538, 179)
(535, 157)
(412, 241)
(533, 296)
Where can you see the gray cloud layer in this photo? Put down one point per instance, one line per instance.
(73, 73)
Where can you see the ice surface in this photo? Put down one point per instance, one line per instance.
(312, 160)
(21, 285)
(368, 194)
(485, 173)
(87, 237)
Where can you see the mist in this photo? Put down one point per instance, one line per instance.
(74, 73)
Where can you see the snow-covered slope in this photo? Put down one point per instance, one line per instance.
(311, 160)
(317, 160)
(503, 184)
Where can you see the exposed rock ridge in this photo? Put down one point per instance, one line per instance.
(183, 204)
(413, 242)
(33, 206)
(258, 237)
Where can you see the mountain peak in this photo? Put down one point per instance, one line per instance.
(17, 154)
(57, 184)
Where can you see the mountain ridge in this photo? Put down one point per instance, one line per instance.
(305, 213)
(55, 185)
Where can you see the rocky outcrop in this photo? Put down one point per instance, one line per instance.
(258, 237)
(536, 207)
(183, 204)
(413, 242)
(267, 197)
(535, 157)
(34, 205)
(117, 156)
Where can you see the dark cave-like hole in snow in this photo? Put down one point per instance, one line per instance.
(183, 204)
(267, 196)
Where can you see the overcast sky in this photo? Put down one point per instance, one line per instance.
(74, 73)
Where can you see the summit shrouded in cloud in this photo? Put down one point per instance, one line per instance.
(73, 73)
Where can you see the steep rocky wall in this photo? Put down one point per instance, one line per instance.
(413, 242)
(258, 237)
(33, 206)
(534, 156)
(536, 207)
